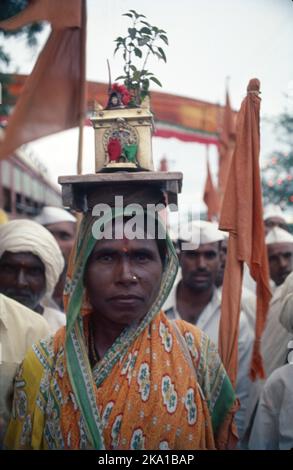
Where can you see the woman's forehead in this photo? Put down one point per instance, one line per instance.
(125, 244)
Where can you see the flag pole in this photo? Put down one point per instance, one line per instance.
(83, 88)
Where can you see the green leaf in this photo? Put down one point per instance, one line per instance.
(164, 38)
(143, 41)
(134, 13)
(132, 32)
(133, 68)
(128, 14)
(137, 52)
(145, 30)
(154, 79)
(120, 77)
(120, 39)
(146, 23)
(117, 47)
(162, 54)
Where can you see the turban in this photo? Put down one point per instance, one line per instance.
(22, 236)
(278, 235)
(54, 215)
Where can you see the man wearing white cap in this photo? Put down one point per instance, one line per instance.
(274, 217)
(280, 253)
(196, 299)
(62, 225)
(30, 265)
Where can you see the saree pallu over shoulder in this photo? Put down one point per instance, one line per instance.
(150, 399)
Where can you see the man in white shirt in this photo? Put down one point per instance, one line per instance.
(275, 337)
(195, 299)
(272, 428)
(20, 328)
(30, 266)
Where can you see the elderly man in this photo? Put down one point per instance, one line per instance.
(19, 329)
(30, 265)
(62, 225)
(196, 300)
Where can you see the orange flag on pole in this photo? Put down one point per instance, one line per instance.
(227, 137)
(210, 196)
(242, 216)
(53, 98)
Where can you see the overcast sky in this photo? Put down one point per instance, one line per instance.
(209, 40)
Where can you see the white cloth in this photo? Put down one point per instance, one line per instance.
(278, 235)
(200, 232)
(275, 338)
(20, 327)
(286, 315)
(55, 318)
(208, 322)
(54, 215)
(273, 424)
(274, 349)
(22, 235)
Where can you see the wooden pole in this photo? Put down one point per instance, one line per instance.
(83, 88)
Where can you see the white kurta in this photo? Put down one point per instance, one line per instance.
(20, 327)
(208, 322)
(273, 424)
(274, 349)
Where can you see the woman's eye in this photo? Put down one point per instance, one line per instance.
(105, 258)
(141, 257)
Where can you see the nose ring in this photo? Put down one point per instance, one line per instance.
(134, 278)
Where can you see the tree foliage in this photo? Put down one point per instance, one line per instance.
(277, 175)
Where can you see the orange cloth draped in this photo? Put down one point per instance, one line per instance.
(242, 216)
(211, 197)
(132, 394)
(227, 137)
(53, 98)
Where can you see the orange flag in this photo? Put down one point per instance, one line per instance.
(227, 137)
(242, 216)
(210, 196)
(60, 13)
(53, 98)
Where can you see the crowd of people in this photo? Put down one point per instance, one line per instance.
(105, 344)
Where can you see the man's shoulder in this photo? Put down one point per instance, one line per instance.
(19, 316)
